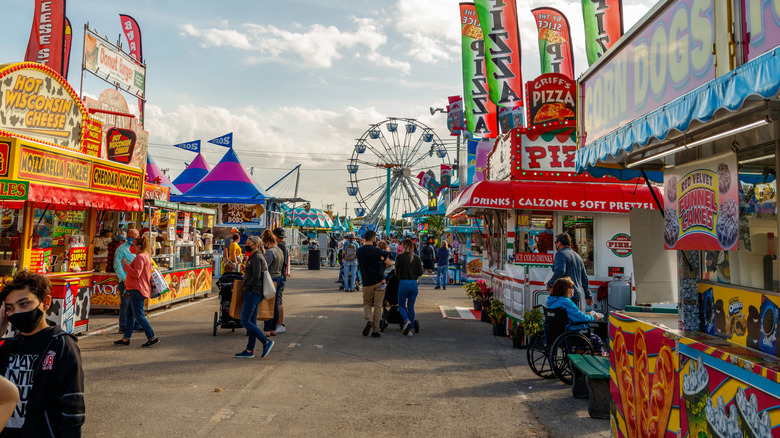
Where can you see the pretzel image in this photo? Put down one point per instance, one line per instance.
(641, 382)
(661, 393)
(625, 383)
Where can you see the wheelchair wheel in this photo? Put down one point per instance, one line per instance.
(538, 359)
(568, 343)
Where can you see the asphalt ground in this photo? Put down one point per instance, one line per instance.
(322, 378)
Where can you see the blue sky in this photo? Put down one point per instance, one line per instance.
(296, 81)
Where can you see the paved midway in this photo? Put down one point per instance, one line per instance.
(323, 378)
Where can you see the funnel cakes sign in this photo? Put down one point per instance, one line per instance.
(37, 103)
(702, 205)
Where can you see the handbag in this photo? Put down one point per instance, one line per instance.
(265, 310)
(269, 287)
(159, 286)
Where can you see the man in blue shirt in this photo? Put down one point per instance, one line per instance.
(123, 252)
(567, 263)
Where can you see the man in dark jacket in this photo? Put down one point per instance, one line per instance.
(427, 255)
(568, 263)
(372, 262)
(279, 233)
(42, 361)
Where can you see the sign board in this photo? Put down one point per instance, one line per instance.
(500, 159)
(244, 215)
(763, 26)
(702, 205)
(551, 100)
(620, 245)
(552, 151)
(120, 144)
(14, 190)
(534, 258)
(157, 192)
(114, 66)
(432, 204)
(112, 111)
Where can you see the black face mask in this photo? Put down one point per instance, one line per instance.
(26, 322)
(248, 248)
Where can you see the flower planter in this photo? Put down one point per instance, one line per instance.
(499, 330)
(484, 316)
(477, 305)
(519, 340)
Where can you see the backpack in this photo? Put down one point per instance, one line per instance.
(350, 251)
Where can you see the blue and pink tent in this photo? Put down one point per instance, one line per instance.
(192, 175)
(227, 183)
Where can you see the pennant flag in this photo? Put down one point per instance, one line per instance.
(66, 48)
(226, 140)
(603, 26)
(480, 112)
(133, 35)
(455, 115)
(446, 177)
(498, 20)
(555, 52)
(47, 38)
(193, 146)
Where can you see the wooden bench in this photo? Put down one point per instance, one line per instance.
(590, 379)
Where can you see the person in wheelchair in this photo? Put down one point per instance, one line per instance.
(560, 297)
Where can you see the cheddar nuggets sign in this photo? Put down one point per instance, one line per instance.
(36, 102)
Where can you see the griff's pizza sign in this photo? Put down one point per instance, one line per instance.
(551, 99)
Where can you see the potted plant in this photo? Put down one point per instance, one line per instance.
(533, 322)
(495, 310)
(486, 296)
(473, 291)
(517, 332)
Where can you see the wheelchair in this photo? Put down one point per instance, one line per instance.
(548, 350)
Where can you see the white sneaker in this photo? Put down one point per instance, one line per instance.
(384, 286)
(280, 329)
(410, 334)
(407, 328)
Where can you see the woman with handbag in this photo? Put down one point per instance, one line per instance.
(253, 296)
(138, 285)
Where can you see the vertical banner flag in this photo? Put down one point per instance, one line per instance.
(603, 26)
(446, 177)
(66, 49)
(455, 115)
(498, 20)
(225, 140)
(555, 52)
(192, 146)
(133, 34)
(480, 112)
(47, 37)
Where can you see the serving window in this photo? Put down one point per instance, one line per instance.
(580, 231)
(534, 232)
(59, 241)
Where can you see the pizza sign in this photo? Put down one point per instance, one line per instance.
(620, 245)
(551, 100)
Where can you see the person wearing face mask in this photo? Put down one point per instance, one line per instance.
(253, 295)
(138, 283)
(274, 257)
(43, 361)
(123, 252)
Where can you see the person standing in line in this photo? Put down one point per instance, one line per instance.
(274, 258)
(234, 251)
(567, 263)
(370, 259)
(427, 255)
(253, 295)
(123, 253)
(350, 263)
(137, 282)
(442, 265)
(279, 234)
(394, 248)
(42, 361)
(409, 268)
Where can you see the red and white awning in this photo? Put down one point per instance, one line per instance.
(557, 196)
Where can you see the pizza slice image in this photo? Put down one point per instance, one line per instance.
(553, 111)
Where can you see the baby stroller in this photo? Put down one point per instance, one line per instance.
(390, 313)
(222, 318)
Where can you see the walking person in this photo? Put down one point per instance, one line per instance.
(350, 263)
(567, 263)
(442, 265)
(427, 255)
(274, 258)
(138, 285)
(370, 259)
(42, 361)
(409, 268)
(279, 234)
(253, 295)
(121, 253)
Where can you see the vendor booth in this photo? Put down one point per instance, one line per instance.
(709, 121)
(58, 177)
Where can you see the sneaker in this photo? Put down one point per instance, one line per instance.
(367, 328)
(437, 287)
(376, 335)
(267, 348)
(121, 342)
(245, 355)
(280, 329)
(410, 334)
(151, 342)
(407, 328)
(445, 288)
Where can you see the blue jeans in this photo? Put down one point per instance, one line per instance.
(270, 325)
(441, 273)
(249, 319)
(350, 271)
(137, 314)
(407, 295)
(125, 312)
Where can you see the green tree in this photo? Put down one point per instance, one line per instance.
(435, 226)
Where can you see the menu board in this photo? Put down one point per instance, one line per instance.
(40, 260)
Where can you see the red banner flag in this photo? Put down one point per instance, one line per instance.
(555, 52)
(603, 26)
(47, 37)
(66, 48)
(455, 115)
(133, 35)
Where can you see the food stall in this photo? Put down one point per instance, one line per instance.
(56, 182)
(710, 123)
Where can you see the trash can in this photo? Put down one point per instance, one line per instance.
(314, 259)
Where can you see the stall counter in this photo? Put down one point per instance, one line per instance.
(70, 305)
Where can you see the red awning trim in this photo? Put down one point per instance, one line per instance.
(557, 196)
(80, 198)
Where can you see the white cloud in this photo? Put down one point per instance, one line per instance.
(432, 28)
(218, 37)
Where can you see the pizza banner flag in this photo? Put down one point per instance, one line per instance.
(479, 111)
(498, 20)
(603, 26)
(555, 51)
(47, 37)
(455, 122)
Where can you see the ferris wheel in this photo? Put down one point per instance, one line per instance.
(403, 148)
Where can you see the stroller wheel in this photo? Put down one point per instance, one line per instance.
(416, 326)
(216, 322)
(382, 325)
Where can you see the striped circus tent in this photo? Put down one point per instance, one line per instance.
(153, 172)
(192, 175)
(228, 182)
(314, 218)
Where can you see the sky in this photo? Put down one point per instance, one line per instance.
(297, 81)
